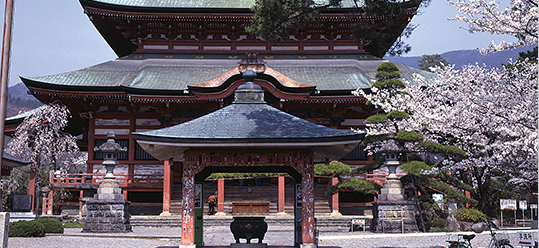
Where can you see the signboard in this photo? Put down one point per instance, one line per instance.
(358, 221)
(533, 206)
(523, 205)
(525, 238)
(299, 197)
(508, 204)
(198, 195)
(439, 199)
(22, 203)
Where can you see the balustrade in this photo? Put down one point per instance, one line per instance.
(131, 180)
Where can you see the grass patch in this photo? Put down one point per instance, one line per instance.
(73, 224)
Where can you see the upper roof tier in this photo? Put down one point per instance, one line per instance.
(207, 26)
(189, 3)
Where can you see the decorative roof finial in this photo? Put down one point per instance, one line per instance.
(252, 62)
(249, 92)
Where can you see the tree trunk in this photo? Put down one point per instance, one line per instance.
(421, 221)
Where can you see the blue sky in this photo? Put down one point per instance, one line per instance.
(55, 36)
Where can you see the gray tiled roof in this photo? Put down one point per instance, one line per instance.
(193, 3)
(10, 158)
(248, 122)
(160, 73)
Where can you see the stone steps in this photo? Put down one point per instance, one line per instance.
(323, 223)
(265, 192)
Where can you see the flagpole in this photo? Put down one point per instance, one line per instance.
(4, 74)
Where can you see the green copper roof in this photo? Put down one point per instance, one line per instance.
(191, 3)
(158, 72)
(182, 3)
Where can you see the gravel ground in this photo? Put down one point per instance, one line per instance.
(71, 241)
(221, 236)
(418, 240)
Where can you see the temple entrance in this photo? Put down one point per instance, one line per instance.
(199, 164)
(245, 198)
(245, 136)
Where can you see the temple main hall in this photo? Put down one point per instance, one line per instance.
(180, 62)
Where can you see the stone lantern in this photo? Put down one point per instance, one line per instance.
(393, 212)
(392, 190)
(110, 150)
(392, 153)
(107, 211)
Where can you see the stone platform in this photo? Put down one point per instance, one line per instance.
(105, 216)
(394, 217)
(107, 212)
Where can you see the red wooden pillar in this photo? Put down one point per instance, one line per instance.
(307, 209)
(91, 142)
(335, 199)
(188, 206)
(469, 195)
(32, 186)
(220, 197)
(166, 189)
(280, 208)
(44, 206)
(81, 193)
(51, 202)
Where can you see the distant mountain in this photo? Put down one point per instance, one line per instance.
(465, 57)
(19, 100)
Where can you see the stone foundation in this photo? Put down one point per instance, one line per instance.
(394, 217)
(106, 217)
(107, 212)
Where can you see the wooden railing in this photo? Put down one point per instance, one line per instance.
(125, 180)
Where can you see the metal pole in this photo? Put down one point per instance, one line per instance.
(501, 214)
(6, 51)
(516, 217)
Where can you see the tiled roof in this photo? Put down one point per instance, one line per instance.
(191, 3)
(10, 158)
(153, 72)
(19, 118)
(248, 123)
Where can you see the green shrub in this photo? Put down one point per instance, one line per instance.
(437, 223)
(334, 168)
(74, 224)
(469, 215)
(24, 228)
(51, 225)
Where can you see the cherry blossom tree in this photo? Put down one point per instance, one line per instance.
(518, 19)
(41, 137)
(491, 113)
(392, 123)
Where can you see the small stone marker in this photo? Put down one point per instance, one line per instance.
(4, 228)
(22, 203)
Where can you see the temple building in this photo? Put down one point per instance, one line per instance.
(179, 61)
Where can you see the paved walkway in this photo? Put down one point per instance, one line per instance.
(220, 236)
